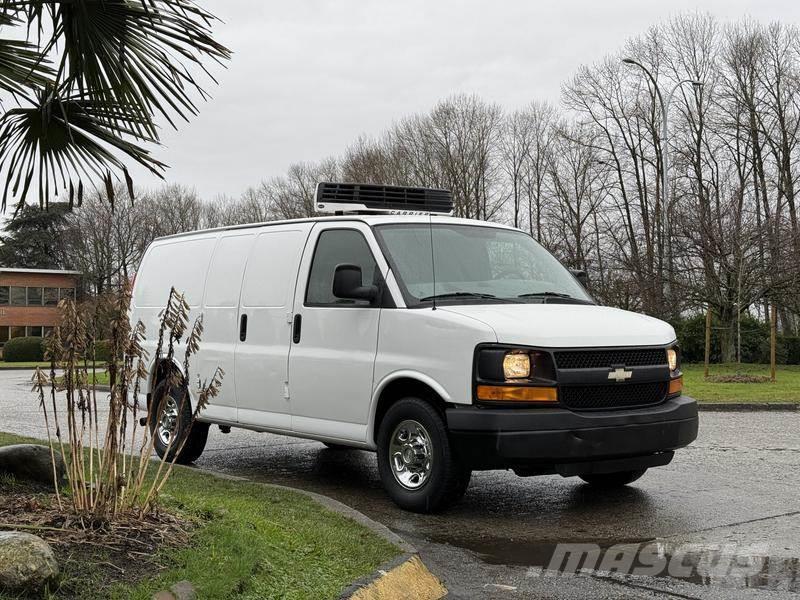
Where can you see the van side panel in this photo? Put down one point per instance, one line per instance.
(267, 301)
(221, 320)
(178, 262)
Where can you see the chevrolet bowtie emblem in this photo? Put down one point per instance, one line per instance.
(619, 375)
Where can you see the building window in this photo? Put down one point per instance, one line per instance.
(68, 293)
(4, 333)
(34, 296)
(18, 296)
(35, 331)
(4, 295)
(17, 331)
(50, 296)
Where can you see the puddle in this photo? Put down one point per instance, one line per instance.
(732, 566)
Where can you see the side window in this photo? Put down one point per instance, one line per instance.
(34, 296)
(19, 296)
(336, 247)
(50, 296)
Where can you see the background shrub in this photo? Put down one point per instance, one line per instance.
(691, 334)
(23, 349)
(102, 351)
(791, 346)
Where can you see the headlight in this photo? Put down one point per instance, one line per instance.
(517, 366)
(497, 364)
(672, 359)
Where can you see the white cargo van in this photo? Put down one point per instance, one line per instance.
(444, 344)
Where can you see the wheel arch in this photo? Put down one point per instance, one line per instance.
(398, 385)
(159, 369)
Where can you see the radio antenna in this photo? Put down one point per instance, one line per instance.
(433, 260)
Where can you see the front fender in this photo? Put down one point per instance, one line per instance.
(387, 380)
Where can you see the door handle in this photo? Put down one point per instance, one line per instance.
(243, 328)
(298, 323)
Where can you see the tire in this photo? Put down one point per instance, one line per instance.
(612, 480)
(198, 435)
(434, 478)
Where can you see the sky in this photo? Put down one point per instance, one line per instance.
(307, 77)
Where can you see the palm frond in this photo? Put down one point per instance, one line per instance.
(59, 143)
(120, 64)
(21, 63)
(138, 53)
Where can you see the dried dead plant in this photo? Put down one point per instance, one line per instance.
(109, 467)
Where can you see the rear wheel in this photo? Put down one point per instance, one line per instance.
(613, 480)
(418, 468)
(169, 427)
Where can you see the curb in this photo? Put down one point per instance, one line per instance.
(747, 406)
(405, 576)
(409, 578)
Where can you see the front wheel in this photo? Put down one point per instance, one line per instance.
(417, 466)
(169, 420)
(613, 480)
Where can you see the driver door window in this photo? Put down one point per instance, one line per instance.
(336, 247)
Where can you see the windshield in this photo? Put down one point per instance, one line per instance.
(475, 264)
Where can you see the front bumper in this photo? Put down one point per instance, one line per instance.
(557, 440)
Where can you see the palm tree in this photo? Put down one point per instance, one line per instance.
(83, 90)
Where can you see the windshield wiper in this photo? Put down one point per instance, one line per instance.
(554, 295)
(462, 295)
(545, 295)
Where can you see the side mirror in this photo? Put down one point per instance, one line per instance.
(581, 276)
(347, 284)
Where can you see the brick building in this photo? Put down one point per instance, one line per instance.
(29, 300)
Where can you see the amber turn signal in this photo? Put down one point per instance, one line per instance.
(676, 386)
(515, 393)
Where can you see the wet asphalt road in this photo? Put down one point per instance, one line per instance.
(738, 485)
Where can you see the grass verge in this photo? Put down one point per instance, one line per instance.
(32, 365)
(251, 542)
(785, 389)
(23, 365)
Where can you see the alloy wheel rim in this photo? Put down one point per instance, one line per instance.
(411, 454)
(168, 420)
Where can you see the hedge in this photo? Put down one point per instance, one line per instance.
(24, 349)
(691, 334)
(102, 351)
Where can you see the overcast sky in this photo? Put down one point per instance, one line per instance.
(309, 76)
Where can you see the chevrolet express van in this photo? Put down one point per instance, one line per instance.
(443, 344)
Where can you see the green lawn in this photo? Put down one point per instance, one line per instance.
(785, 389)
(101, 376)
(23, 365)
(32, 365)
(254, 542)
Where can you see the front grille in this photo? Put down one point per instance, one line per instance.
(596, 397)
(599, 359)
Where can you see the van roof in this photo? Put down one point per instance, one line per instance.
(377, 219)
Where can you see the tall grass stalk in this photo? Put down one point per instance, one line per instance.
(116, 476)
